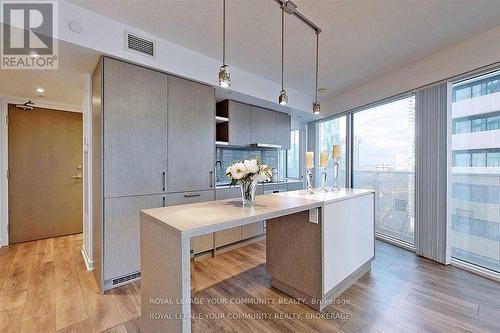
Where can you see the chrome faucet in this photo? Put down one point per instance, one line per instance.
(217, 173)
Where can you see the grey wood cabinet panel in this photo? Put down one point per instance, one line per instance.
(240, 116)
(295, 186)
(252, 230)
(201, 243)
(227, 193)
(282, 127)
(262, 125)
(135, 129)
(191, 136)
(122, 236)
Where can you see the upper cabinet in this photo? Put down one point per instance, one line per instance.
(262, 128)
(135, 127)
(191, 136)
(282, 127)
(240, 124)
(239, 129)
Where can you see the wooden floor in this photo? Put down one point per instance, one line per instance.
(44, 287)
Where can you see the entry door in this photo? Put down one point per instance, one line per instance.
(45, 173)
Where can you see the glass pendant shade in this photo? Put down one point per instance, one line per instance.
(283, 99)
(316, 108)
(224, 77)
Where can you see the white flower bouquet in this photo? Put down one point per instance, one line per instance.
(248, 174)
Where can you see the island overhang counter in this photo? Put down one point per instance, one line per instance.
(317, 245)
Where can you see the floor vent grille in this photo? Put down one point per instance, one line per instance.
(125, 278)
(139, 44)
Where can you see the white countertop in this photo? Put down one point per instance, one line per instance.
(205, 217)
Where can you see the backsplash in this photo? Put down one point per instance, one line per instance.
(274, 158)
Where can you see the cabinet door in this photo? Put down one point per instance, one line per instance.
(239, 124)
(201, 243)
(191, 136)
(262, 129)
(282, 127)
(135, 129)
(121, 233)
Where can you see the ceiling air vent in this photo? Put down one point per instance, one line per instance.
(139, 44)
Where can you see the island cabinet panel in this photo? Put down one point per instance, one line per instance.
(240, 116)
(282, 126)
(252, 230)
(135, 129)
(121, 238)
(191, 136)
(227, 236)
(262, 126)
(201, 243)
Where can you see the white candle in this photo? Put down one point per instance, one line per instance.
(336, 151)
(323, 158)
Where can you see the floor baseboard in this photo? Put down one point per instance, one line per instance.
(88, 263)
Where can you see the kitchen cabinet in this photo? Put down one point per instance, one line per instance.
(262, 125)
(135, 129)
(227, 236)
(252, 230)
(122, 236)
(239, 115)
(202, 243)
(282, 126)
(191, 136)
(294, 186)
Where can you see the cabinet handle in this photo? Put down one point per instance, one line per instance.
(164, 202)
(211, 178)
(192, 195)
(164, 175)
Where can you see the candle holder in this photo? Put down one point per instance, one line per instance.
(323, 188)
(309, 187)
(336, 175)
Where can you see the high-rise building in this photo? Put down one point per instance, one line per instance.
(476, 171)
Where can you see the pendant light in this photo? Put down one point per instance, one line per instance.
(283, 98)
(316, 106)
(224, 75)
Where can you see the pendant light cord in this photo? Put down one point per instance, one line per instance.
(282, 44)
(317, 64)
(223, 32)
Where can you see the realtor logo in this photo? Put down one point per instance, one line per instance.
(29, 35)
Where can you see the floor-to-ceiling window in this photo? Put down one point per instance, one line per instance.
(332, 132)
(475, 188)
(293, 155)
(383, 151)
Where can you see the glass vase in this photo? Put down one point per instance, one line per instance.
(324, 187)
(336, 167)
(248, 192)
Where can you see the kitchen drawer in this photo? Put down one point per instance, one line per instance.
(295, 186)
(183, 198)
(252, 230)
(273, 188)
(228, 236)
(227, 193)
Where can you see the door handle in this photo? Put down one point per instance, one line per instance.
(192, 195)
(77, 176)
(164, 175)
(211, 178)
(164, 202)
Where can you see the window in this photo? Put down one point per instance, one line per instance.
(462, 93)
(478, 125)
(383, 160)
(461, 159)
(493, 123)
(332, 132)
(462, 126)
(478, 160)
(493, 160)
(293, 156)
(475, 197)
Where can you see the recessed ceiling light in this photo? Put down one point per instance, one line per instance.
(40, 90)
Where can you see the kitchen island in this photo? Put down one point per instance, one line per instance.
(317, 246)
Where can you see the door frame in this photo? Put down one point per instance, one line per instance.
(4, 183)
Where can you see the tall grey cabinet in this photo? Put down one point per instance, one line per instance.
(142, 135)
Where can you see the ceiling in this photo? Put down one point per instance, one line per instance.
(361, 40)
(65, 85)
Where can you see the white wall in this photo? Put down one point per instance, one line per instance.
(473, 53)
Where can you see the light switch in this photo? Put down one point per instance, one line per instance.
(313, 215)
